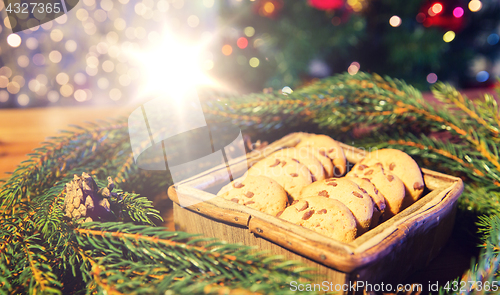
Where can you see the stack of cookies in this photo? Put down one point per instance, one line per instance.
(306, 186)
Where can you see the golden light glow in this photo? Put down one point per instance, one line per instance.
(80, 95)
(475, 5)
(62, 78)
(66, 90)
(169, 67)
(269, 7)
(56, 35)
(227, 49)
(55, 56)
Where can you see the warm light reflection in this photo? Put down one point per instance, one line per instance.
(169, 67)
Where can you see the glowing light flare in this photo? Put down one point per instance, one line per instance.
(242, 42)
(169, 68)
(395, 21)
(475, 5)
(458, 12)
(448, 36)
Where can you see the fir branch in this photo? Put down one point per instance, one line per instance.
(166, 252)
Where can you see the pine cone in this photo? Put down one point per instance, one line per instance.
(83, 199)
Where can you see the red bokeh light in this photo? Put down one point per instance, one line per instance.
(242, 42)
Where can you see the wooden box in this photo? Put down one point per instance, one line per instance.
(388, 253)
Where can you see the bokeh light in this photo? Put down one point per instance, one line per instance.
(4, 81)
(395, 21)
(14, 40)
(420, 17)
(115, 94)
(66, 90)
(437, 8)
(242, 42)
(23, 61)
(286, 90)
(32, 43)
(227, 50)
(62, 78)
(353, 68)
(53, 96)
(448, 36)
(80, 95)
(4, 96)
(475, 5)
(208, 3)
(482, 76)
(458, 12)
(193, 21)
(493, 39)
(254, 62)
(432, 78)
(249, 31)
(23, 100)
(55, 56)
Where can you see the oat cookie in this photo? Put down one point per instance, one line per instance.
(347, 192)
(378, 199)
(401, 165)
(330, 148)
(322, 158)
(290, 174)
(326, 216)
(388, 185)
(257, 192)
(306, 157)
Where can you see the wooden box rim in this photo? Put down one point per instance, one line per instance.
(346, 257)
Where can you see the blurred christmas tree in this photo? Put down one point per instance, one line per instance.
(290, 43)
(106, 51)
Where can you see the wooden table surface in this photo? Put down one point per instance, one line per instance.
(22, 130)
